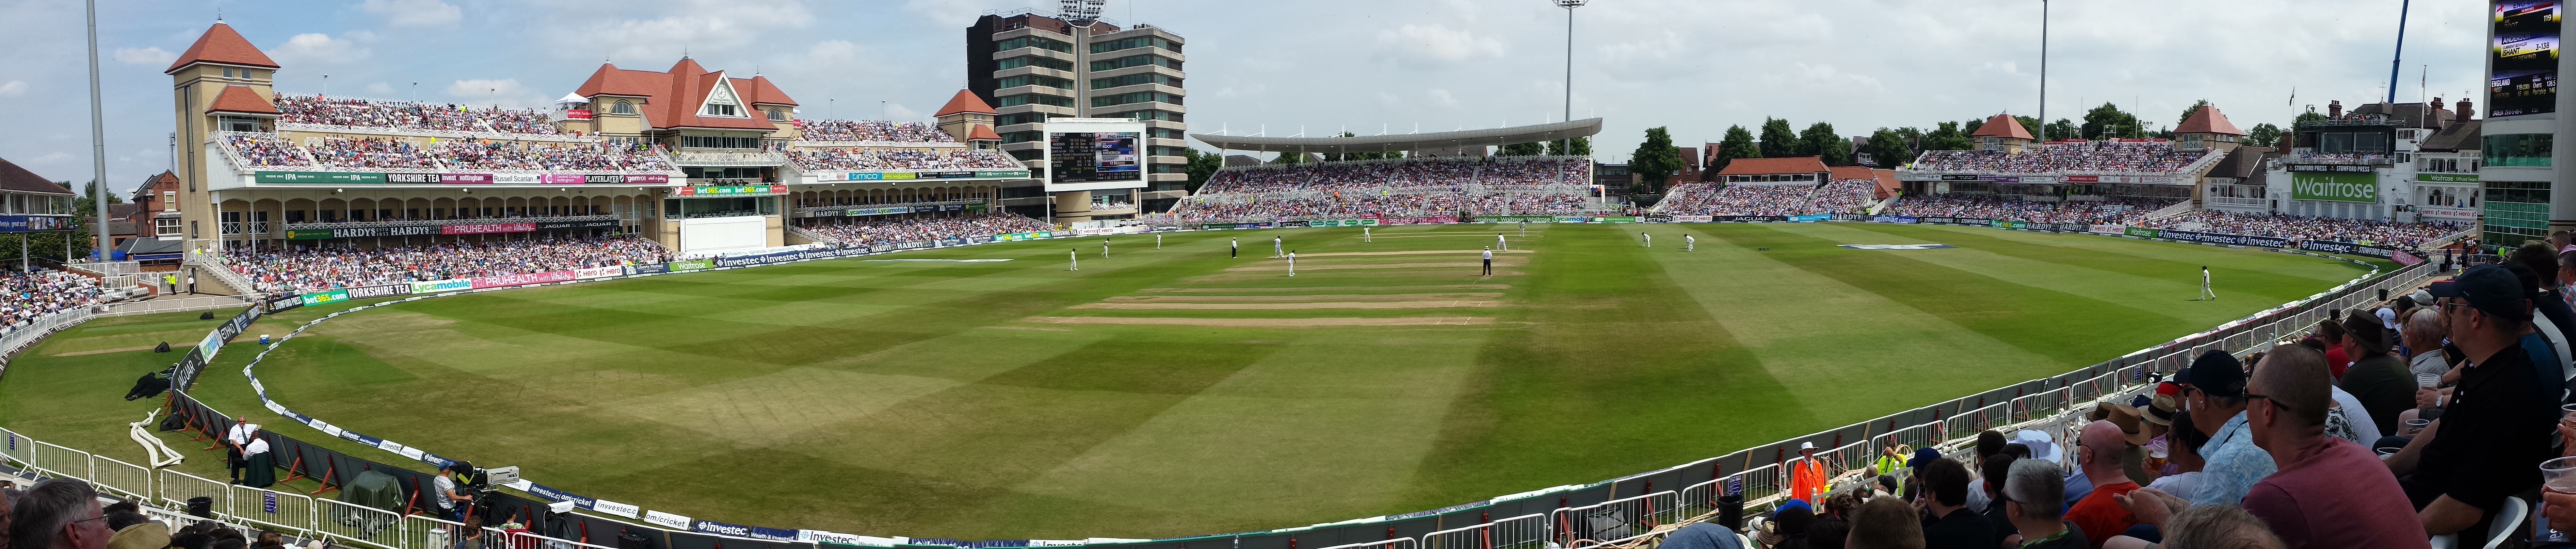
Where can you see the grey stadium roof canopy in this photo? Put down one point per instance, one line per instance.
(1407, 142)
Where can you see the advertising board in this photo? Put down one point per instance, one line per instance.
(2339, 187)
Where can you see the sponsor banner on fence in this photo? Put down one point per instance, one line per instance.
(364, 292)
(742, 531)
(1340, 223)
(417, 230)
(654, 268)
(331, 296)
(1894, 219)
(2107, 229)
(1015, 237)
(692, 265)
(653, 178)
(2447, 177)
(886, 210)
(1694, 218)
(487, 228)
(591, 224)
(598, 272)
(411, 178)
(1810, 218)
(615, 508)
(515, 178)
(603, 178)
(2339, 187)
(560, 179)
(2354, 248)
(2080, 179)
(465, 178)
(521, 279)
(308, 234)
(2221, 238)
(1959, 177)
(2406, 259)
(667, 520)
(435, 286)
(1749, 218)
(740, 190)
(317, 177)
(2143, 232)
(34, 223)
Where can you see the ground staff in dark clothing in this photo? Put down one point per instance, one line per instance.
(1489, 261)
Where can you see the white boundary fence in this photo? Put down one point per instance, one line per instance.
(1567, 526)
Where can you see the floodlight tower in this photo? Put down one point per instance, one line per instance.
(1569, 6)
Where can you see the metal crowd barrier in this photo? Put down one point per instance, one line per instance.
(1521, 532)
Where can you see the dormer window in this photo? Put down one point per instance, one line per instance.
(622, 107)
(721, 102)
(777, 115)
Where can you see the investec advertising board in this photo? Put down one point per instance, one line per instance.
(2339, 187)
(1085, 154)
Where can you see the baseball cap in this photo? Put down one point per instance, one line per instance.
(2387, 317)
(2489, 289)
(1923, 458)
(2215, 372)
(2423, 297)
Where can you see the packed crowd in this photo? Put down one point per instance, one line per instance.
(26, 296)
(901, 159)
(2342, 158)
(863, 232)
(325, 267)
(874, 130)
(2079, 156)
(540, 155)
(263, 150)
(2297, 228)
(315, 109)
(1361, 205)
(1433, 172)
(1838, 196)
(2117, 210)
(371, 152)
(2356, 434)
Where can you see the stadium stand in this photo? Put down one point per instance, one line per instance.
(323, 267)
(371, 152)
(267, 150)
(2300, 228)
(1840, 196)
(874, 131)
(33, 294)
(891, 231)
(1394, 188)
(845, 158)
(315, 109)
(2151, 156)
(2117, 210)
(538, 155)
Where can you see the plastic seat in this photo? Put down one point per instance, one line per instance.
(2508, 521)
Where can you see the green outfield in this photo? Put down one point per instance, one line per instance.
(1171, 392)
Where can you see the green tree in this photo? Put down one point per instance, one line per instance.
(1582, 146)
(1889, 149)
(2263, 135)
(2031, 125)
(2186, 111)
(1655, 160)
(1737, 144)
(1970, 126)
(87, 203)
(1778, 139)
(2061, 129)
(1947, 137)
(2310, 116)
(2108, 121)
(1821, 140)
(1290, 158)
(1201, 166)
(1521, 149)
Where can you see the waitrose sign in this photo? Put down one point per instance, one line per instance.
(2342, 187)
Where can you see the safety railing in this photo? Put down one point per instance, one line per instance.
(1968, 423)
(22, 337)
(121, 478)
(524, 540)
(61, 461)
(349, 523)
(199, 303)
(1521, 532)
(1397, 543)
(179, 488)
(1615, 521)
(290, 513)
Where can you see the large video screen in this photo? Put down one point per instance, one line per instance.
(1095, 157)
(2524, 79)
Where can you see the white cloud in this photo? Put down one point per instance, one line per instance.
(52, 157)
(414, 13)
(152, 56)
(835, 53)
(898, 112)
(13, 87)
(380, 88)
(1439, 42)
(319, 48)
(485, 91)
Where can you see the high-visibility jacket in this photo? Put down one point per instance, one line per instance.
(1807, 480)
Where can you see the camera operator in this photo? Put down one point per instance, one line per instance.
(452, 498)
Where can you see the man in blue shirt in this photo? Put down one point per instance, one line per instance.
(2214, 393)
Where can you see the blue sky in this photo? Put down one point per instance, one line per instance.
(1695, 66)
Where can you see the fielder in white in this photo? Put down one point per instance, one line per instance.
(1073, 259)
(1158, 241)
(1648, 242)
(1275, 249)
(1690, 243)
(1292, 263)
(1104, 248)
(1364, 235)
(2205, 293)
(1502, 244)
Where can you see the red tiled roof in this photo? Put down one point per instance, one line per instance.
(221, 45)
(1853, 172)
(1765, 166)
(240, 98)
(2002, 125)
(2206, 119)
(758, 91)
(14, 178)
(672, 98)
(965, 101)
(982, 132)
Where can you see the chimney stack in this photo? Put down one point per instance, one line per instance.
(2334, 109)
(2462, 114)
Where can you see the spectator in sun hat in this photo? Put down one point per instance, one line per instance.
(2214, 391)
(2495, 428)
(2135, 434)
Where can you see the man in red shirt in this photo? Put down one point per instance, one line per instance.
(2099, 514)
(2328, 492)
